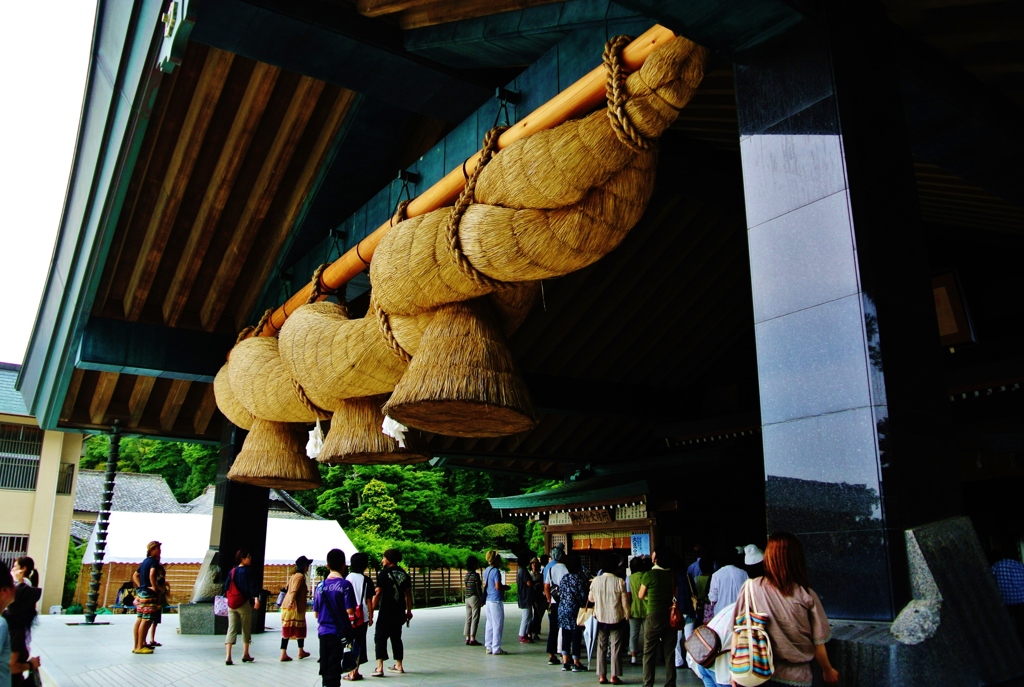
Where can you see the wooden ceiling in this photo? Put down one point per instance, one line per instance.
(232, 150)
(660, 329)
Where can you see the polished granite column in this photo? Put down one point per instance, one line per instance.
(847, 343)
(240, 513)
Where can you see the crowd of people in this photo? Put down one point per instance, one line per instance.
(632, 605)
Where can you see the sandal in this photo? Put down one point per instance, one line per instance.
(602, 680)
(377, 674)
(616, 681)
(247, 659)
(285, 658)
(396, 669)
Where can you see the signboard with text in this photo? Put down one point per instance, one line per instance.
(640, 545)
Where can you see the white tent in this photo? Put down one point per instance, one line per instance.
(185, 538)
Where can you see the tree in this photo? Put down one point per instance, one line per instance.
(502, 535)
(188, 468)
(379, 512)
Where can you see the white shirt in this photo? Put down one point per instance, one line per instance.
(555, 574)
(725, 586)
(722, 625)
(358, 582)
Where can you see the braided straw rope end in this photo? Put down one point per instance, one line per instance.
(274, 455)
(356, 437)
(463, 381)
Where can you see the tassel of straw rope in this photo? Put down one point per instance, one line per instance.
(617, 95)
(465, 199)
(384, 323)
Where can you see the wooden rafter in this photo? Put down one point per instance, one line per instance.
(378, 8)
(186, 151)
(445, 11)
(105, 385)
(139, 398)
(262, 193)
(303, 186)
(172, 405)
(204, 413)
(236, 145)
(72, 396)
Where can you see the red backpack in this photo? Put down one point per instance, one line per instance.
(235, 598)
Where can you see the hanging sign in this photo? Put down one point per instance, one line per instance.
(640, 545)
(590, 517)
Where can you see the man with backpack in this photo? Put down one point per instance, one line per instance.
(393, 602)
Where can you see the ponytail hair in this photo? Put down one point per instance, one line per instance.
(29, 566)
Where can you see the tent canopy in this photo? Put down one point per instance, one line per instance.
(186, 538)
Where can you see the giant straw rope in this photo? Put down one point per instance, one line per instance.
(545, 206)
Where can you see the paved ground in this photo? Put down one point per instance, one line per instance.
(101, 656)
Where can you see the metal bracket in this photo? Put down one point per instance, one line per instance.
(407, 177)
(178, 20)
(510, 97)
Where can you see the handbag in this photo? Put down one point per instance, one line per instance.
(694, 600)
(704, 645)
(584, 616)
(676, 617)
(220, 606)
(752, 663)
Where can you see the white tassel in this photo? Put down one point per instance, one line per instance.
(316, 441)
(394, 429)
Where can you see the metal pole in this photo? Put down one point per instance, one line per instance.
(102, 520)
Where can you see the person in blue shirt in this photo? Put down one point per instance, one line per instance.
(494, 593)
(7, 592)
(147, 597)
(334, 603)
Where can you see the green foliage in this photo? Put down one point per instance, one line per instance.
(512, 593)
(378, 514)
(501, 535)
(71, 570)
(415, 554)
(188, 468)
(533, 533)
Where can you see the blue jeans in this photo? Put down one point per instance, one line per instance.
(708, 676)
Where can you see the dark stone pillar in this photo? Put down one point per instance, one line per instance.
(847, 342)
(242, 515)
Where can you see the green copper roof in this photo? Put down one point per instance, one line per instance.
(11, 401)
(608, 488)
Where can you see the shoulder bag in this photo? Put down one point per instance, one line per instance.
(676, 617)
(704, 645)
(751, 663)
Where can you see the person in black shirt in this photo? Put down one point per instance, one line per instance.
(393, 603)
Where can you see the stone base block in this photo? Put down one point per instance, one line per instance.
(198, 619)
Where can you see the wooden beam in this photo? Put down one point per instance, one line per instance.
(236, 145)
(68, 409)
(105, 385)
(378, 8)
(140, 397)
(421, 14)
(172, 404)
(262, 194)
(301, 190)
(204, 413)
(186, 151)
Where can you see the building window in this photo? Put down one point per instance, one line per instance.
(20, 448)
(66, 478)
(13, 546)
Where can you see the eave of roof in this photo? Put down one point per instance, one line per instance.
(600, 490)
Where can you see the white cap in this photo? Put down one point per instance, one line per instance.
(752, 555)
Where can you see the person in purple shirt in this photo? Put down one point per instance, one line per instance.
(335, 606)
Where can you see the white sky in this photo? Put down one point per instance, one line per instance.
(44, 58)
